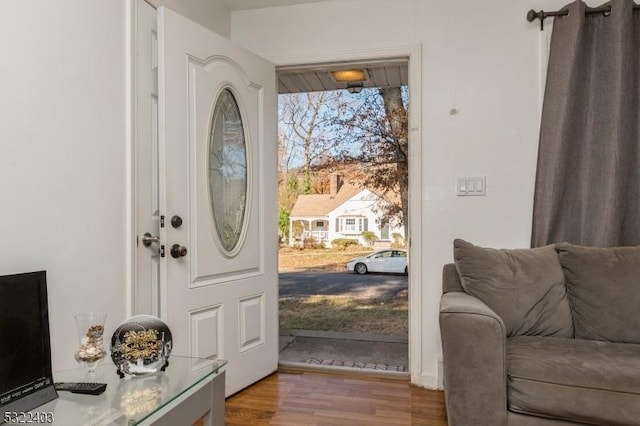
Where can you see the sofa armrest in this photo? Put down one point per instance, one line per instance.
(475, 365)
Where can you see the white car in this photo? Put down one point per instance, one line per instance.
(388, 260)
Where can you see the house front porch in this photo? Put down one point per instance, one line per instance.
(318, 235)
(305, 228)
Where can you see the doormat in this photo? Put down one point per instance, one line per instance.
(356, 364)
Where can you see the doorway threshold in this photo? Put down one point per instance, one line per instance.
(350, 353)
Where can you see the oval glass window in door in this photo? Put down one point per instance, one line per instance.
(228, 171)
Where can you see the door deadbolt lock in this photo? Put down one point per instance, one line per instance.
(176, 221)
(178, 251)
(148, 239)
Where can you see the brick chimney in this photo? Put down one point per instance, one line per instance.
(334, 184)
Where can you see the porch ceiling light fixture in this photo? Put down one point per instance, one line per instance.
(349, 76)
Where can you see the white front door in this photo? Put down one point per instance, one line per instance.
(217, 136)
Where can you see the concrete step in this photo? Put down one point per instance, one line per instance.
(366, 353)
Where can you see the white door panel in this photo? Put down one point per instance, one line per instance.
(219, 302)
(206, 78)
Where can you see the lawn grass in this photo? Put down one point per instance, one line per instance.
(346, 314)
(317, 259)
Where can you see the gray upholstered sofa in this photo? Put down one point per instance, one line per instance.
(544, 336)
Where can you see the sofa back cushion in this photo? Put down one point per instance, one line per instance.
(525, 287)
(603, 286)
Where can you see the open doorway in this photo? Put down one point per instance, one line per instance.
(344, 204)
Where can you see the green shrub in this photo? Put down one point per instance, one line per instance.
(369, 238)
(398, 240)
(344, 243)
(283, 222)
(310, 243)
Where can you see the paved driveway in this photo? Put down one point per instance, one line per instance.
(341, 283)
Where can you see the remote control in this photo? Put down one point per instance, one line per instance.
(81, 387)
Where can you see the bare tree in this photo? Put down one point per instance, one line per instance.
(397, 122)
(304, 119)
(375, 130)
(303, 122)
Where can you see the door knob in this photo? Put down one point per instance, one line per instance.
(176, 221)
(148, 239)
(178, 251)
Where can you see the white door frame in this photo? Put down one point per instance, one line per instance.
(140, 299)
(131, 64)
(414, 53)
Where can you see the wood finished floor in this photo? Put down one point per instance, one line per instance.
(315, 399)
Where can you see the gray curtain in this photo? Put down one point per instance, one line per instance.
(588, 176)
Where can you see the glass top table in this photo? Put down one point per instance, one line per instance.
(131, 400)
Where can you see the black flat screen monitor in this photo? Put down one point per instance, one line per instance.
(26, 380)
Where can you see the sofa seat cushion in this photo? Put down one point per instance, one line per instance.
(587, 381)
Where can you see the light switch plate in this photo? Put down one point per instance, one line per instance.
(466, 186)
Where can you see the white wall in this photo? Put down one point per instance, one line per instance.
(63, 154)
(212, 14)
(481, 59)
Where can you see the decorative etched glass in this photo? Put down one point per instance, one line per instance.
(228, 171)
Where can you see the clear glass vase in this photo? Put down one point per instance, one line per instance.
(91, 350)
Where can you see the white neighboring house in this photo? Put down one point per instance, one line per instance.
(345, 212)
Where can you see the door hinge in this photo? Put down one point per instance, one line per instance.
(162, 253)
(162, 221)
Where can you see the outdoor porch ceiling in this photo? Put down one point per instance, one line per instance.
(318, 78)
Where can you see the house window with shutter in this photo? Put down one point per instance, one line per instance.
(352, 225)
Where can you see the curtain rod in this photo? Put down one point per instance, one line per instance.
(542, 15)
